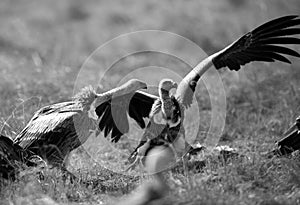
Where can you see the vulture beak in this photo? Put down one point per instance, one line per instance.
(145, 86)
(97, 96)
(175, 85)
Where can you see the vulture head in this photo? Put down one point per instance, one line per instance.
(86, 96)
(167, 84)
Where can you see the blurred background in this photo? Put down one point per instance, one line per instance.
(44, 43)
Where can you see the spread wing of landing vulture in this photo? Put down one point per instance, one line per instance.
(12, 158)
(55, 130)
(290, 141)
(264, 43)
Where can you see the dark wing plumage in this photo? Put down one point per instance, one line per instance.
(258, 45)
(113, 113)
(140, 107)
(291, 140)
(45, 120)
(51, 132)
(12, 157)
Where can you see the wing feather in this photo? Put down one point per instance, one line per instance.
(48, 119)
(257, 45)
(11, 157)
(113, 113)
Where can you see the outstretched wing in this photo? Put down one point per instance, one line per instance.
(257, 45)
(113, 113)
(45, 121)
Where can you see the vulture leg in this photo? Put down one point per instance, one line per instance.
(140, 154)
(184, 160)
(68, 175)
(62, 163)
(181, 146)
(186, 171)
(137, 160)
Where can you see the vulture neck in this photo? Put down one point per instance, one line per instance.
(200, 68)
(164, 94)
(116, 92)
(165, 102)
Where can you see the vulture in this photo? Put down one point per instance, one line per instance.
(12, 158)
(55, 130)
(290, 141)
(261, 44)
(163, 127)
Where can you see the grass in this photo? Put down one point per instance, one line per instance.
(44, 43)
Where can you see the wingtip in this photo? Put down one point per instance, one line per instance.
(115, 139)
(295, 15)
(289, 17)
(274, 22)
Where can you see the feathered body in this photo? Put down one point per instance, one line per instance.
(166, 104)
(55, 130)
(12, 158)
(165, 109)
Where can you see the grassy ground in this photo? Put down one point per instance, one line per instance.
(44, 43)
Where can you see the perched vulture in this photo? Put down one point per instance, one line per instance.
(260, 44)
(55, 130)
(290, 141)
(12, 158)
